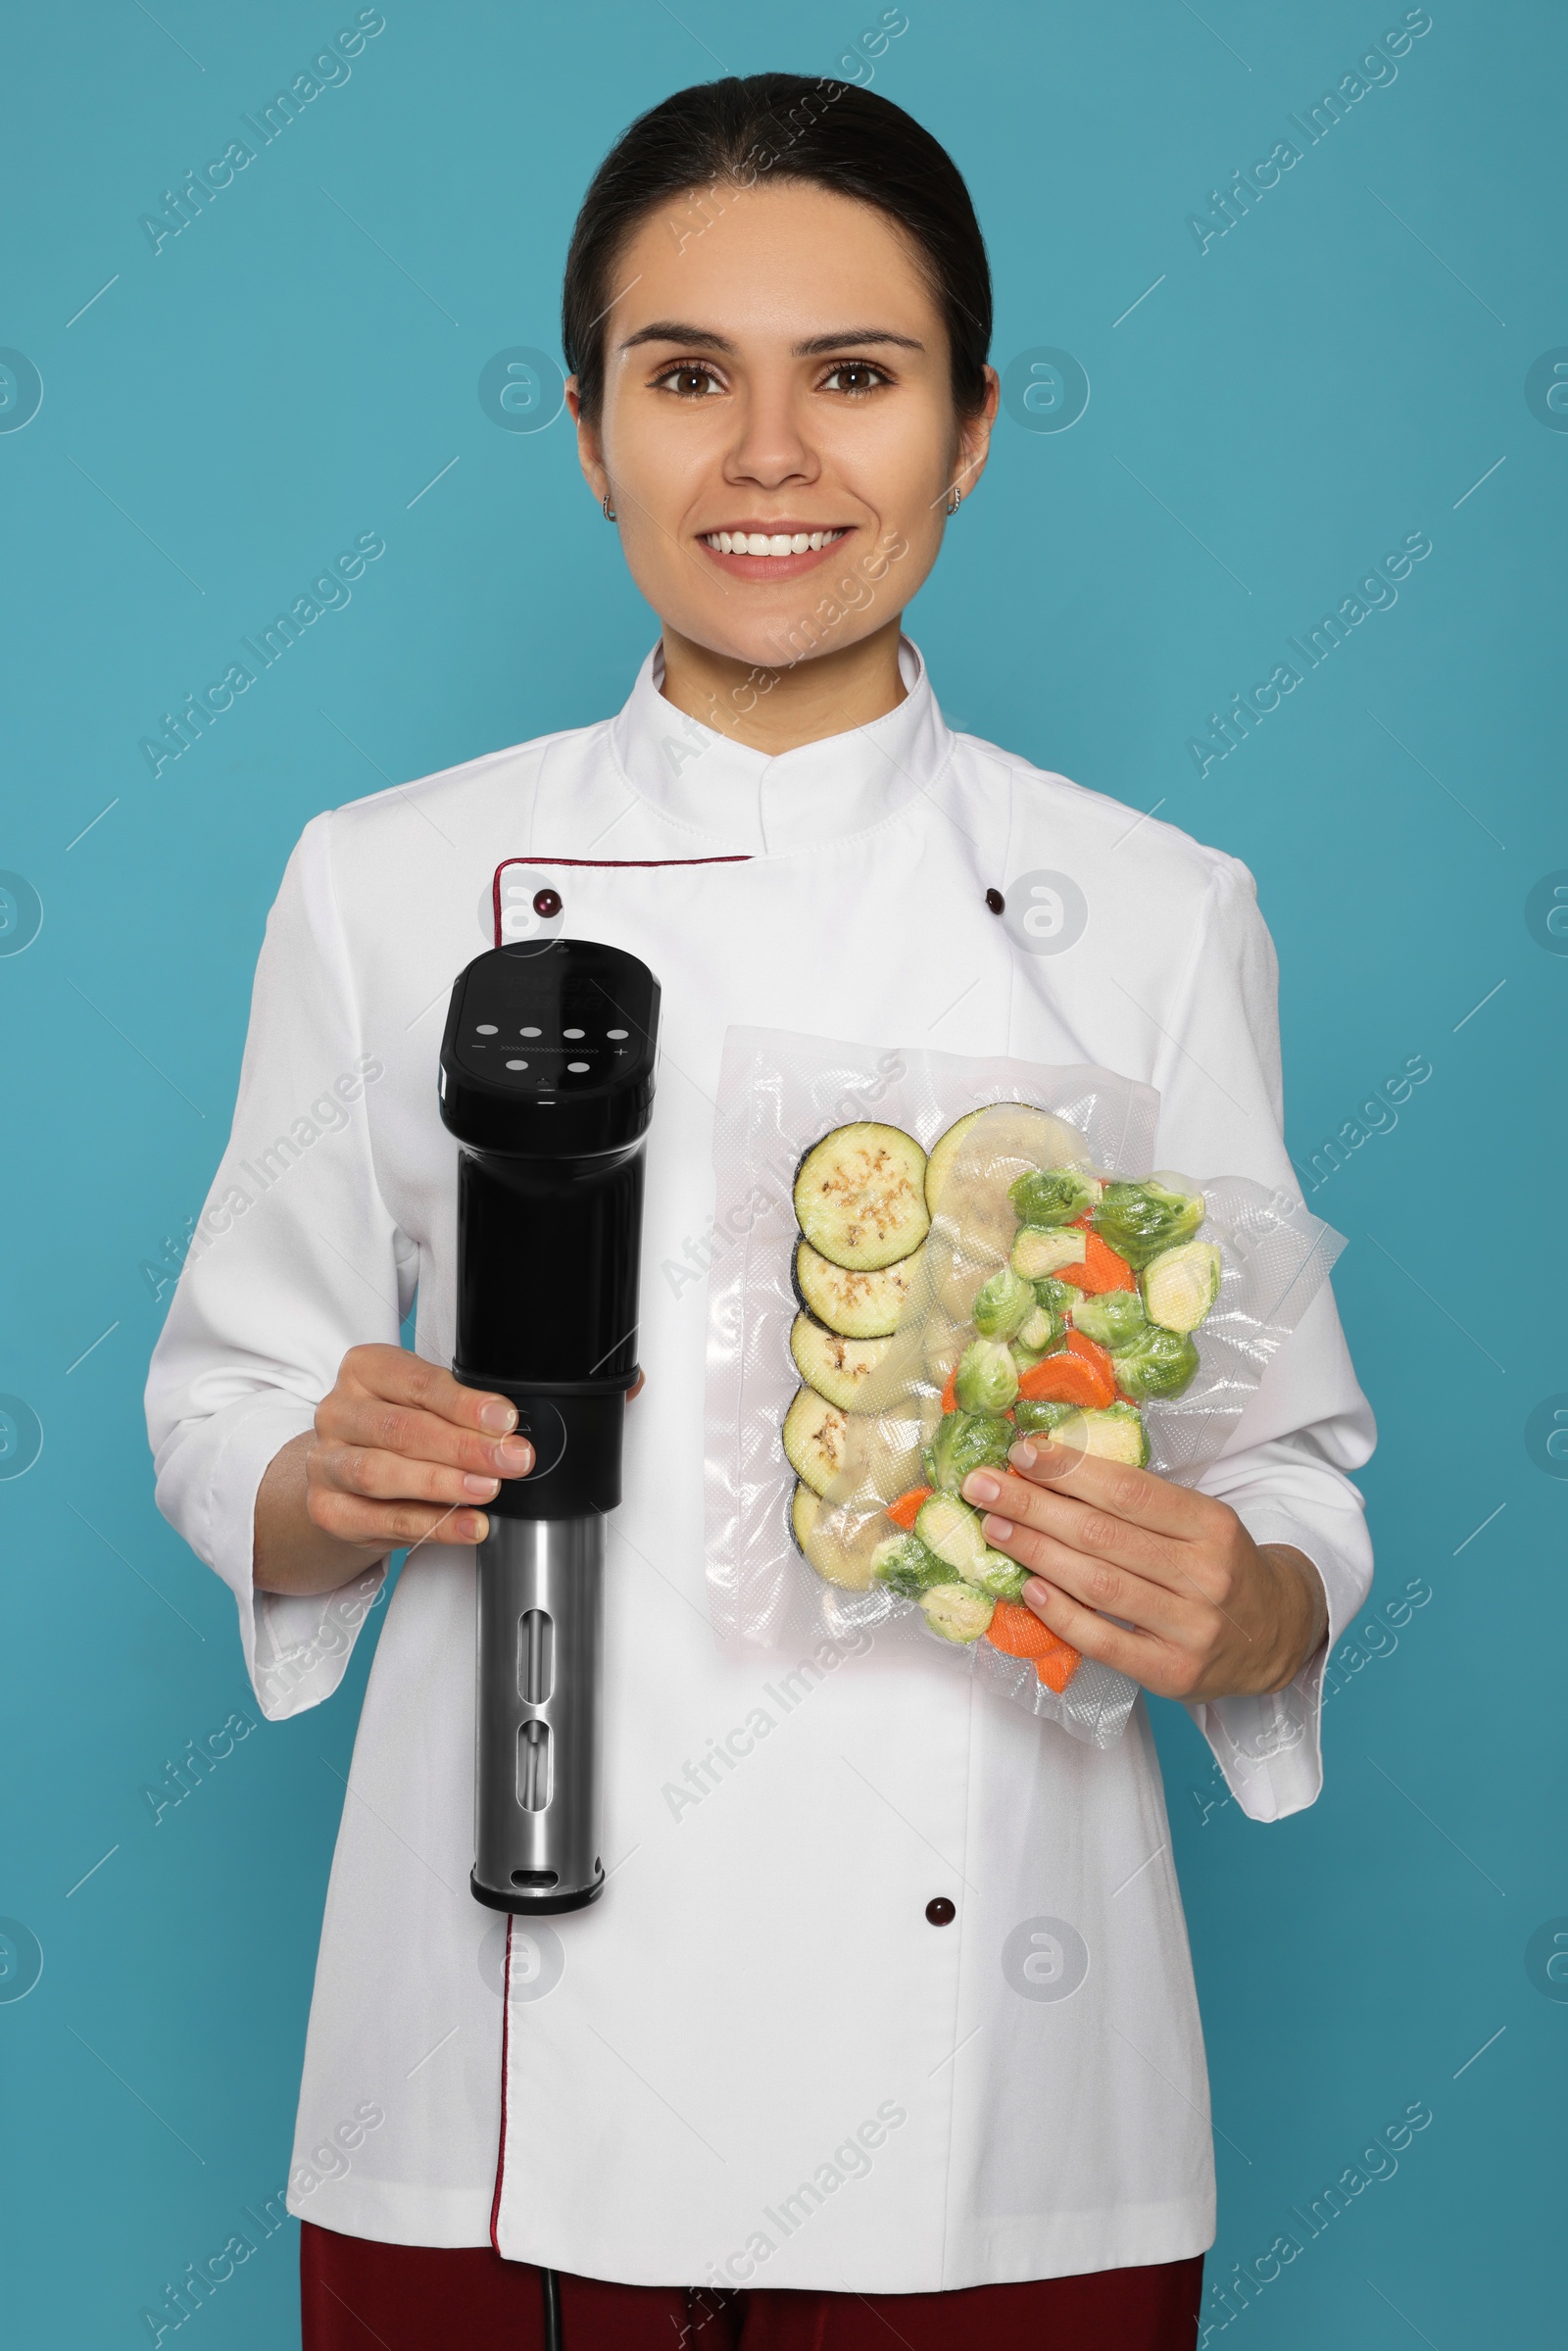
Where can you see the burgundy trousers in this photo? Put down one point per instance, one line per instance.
(356, 2295)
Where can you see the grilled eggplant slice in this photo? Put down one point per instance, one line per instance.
(815, 1437)
(835, 1366)
(857, 1306)
(860, 1196)
(843, 1545)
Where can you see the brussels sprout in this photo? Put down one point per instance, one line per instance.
(1182, 1284)
(966, 1441)
(1042, 1329)
(1001, 1304)
(1053, 1195)
(1157, 1363)
(903, 1564)
(1036, 1331)
(1038, 1251)
(1001, 1576)
(1114, 1433)
(1056, 1296)
(1138, 1220)
(1032, 1419)
(951, 1531)
(958, 1611)
(1114, 1319)
(987, 1379)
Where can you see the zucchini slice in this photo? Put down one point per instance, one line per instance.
(1033, 1138)
(950, 1529)
(857, 1306)
(842, 1550)
(860, 1196)
(835, 1366)
(814, 1435)
(944, 1152)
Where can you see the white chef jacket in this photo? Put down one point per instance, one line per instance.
(753, 2060)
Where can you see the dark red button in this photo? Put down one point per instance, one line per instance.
(996, 902)
(546, 902)
(940, 1911)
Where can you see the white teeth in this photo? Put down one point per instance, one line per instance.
(770, 543)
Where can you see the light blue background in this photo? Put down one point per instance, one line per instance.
(291, 370)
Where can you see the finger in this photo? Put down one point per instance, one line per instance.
(1135, 1494)
(392, 1525)
(1093, 1582)
(392, 1478)
(637, 1385)
(1135, 1654)
(419, 1436)
(404, 1378)
(1081, 1525)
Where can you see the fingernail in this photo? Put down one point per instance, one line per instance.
(499, 1415)
(483, 1487)
(996, 1530)
(474, 1525)
(513, 1453)
(981, 1486)
(1023, 1453)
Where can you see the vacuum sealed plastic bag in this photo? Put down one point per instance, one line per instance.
(919, 1256)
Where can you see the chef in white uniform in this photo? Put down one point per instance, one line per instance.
(897, 2003)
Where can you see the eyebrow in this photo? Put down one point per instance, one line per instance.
(675, 330)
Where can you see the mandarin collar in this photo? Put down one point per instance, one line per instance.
(708, 784)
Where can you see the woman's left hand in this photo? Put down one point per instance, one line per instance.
(1213, 1614)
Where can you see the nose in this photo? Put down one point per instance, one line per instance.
(772, 445)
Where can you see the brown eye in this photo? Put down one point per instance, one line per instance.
(687, 382)
(854, 375)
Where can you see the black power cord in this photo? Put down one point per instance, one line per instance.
(550, 2287)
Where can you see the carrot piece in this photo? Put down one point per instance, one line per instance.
(1079, 1343)
(1061, 1379)
(1102, 1268)
(905, 1509)
(1018, 1632)
(1058, 1670)
(1069, 1378)
(949, 1393)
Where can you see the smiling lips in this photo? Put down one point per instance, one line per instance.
(771, 553)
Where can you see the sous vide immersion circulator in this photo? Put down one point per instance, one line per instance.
(547, 1082)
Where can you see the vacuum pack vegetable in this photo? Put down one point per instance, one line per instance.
(919, 1257)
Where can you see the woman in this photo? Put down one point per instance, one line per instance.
(790, 2082)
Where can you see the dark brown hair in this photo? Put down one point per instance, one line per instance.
(786, 127)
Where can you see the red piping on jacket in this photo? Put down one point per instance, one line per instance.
(506, 2035)
(733, 858)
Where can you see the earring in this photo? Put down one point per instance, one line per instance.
(954, 497)
(609, 512)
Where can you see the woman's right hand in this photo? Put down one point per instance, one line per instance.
(401, 1452)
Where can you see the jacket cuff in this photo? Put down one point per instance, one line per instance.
(295, 1645)
(1270, 1747)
